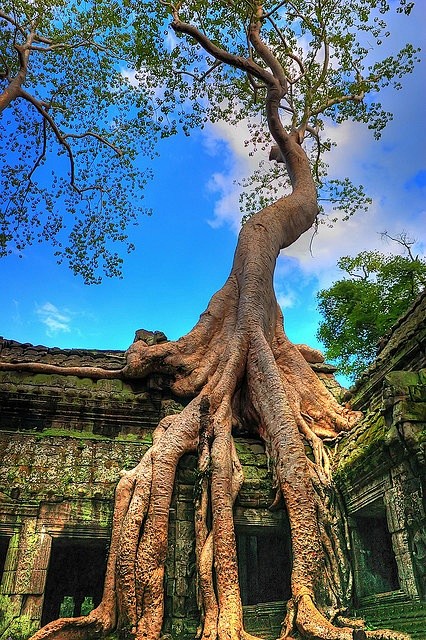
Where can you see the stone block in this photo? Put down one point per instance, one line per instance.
(185, 530)
(181, 587)
(185, 492)
(8, 582)
(408, 411)
(179, 610)
(422, 376)
(401, 378)
(107, 471)
(12, 555)
(185, 511)
(184, 545)
(418, 393)
(33, 606)
(38, 581)
(187, 476)
(400, 545)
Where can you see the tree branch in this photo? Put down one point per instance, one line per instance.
(14, 88)
(288, 51)
(335, 101)
(265, 52)
(272, 11)
(214, 66)
(40, 106)
(244, 64)
(12, 21)
(101, 139)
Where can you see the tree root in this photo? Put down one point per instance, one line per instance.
(291, 415)
(239, 371)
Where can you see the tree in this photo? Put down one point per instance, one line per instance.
(287, 66)
(359, 309)
(72, 130)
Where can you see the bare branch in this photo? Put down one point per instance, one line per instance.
(41, 108)
(4, 75)
(288, 51)
(325, 65)
(272, 11)
(35, 166)
(12, 21)
(63, 138)
(336, 101)
(404, 240)
(42, 153)
(55, 46)
(101, 139)
(265, 52)
(214, 66)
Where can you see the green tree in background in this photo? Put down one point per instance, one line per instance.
(360, 308)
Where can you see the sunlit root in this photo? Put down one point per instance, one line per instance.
(139, 539)
(353, 623)
(312, 624)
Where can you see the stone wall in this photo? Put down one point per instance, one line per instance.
(381, 472)
(52, 487)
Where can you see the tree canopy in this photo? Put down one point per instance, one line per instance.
(88, 87)
(376, 289)
(325, 55)
(73, 127)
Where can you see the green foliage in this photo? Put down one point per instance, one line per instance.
(360, 308)
(328, 52)
(104, 80)
(72, 139)
(13, 626)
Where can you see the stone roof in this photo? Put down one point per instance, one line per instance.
(17, 352)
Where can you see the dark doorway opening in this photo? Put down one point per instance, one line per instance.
(75, 577)
(4, 546)
(378, 571)
(264, 565)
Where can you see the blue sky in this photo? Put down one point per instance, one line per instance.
(184, 251)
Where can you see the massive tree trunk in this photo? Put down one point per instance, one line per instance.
(239, 369)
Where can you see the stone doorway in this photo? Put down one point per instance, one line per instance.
(4, 546)
(377, 571)
(75, 577)
(264, 565)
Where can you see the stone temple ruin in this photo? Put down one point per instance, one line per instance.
(63, 441)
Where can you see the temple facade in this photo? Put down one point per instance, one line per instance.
(64, 440)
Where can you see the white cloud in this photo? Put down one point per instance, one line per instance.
(54, 319)
(17, 318)
(228, 141)
(286, 300)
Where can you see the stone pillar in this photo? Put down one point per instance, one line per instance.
(395, 502)
(32, 558)
(358, 558)
(9, 572)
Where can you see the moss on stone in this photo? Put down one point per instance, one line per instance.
(68, 433)
(368, 441)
